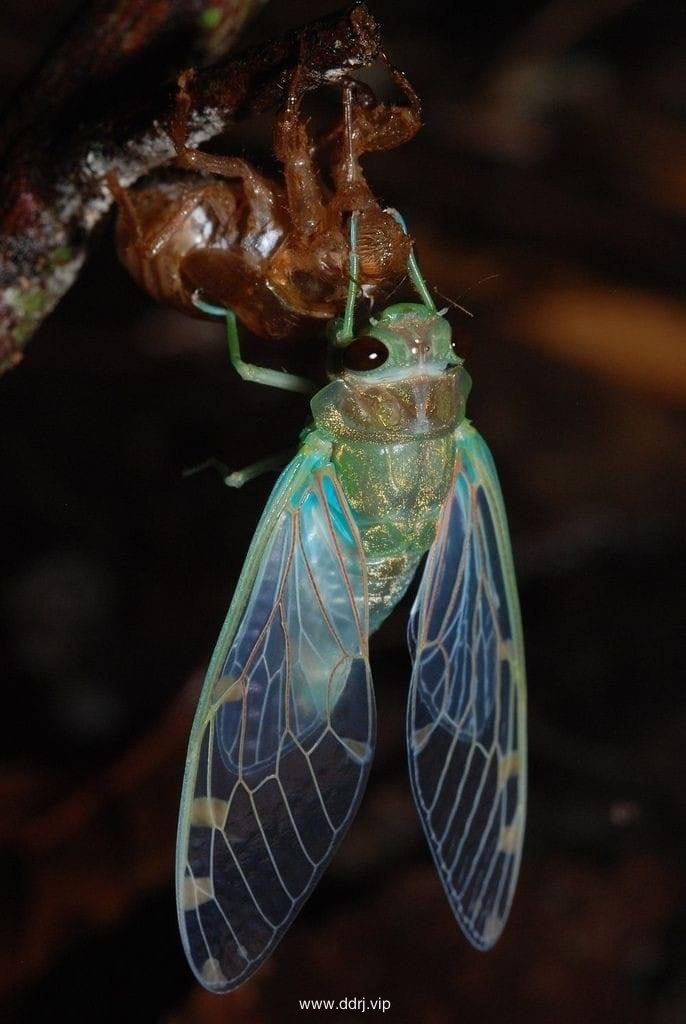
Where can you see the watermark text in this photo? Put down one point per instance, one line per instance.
(359, 1003)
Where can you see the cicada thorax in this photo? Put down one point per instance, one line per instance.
(393, 448)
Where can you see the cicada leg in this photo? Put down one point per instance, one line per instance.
(347, 327)
(250, 371)
(260, 375)
(413, 271)
(236, 478)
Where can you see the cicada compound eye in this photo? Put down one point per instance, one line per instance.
(365, 353)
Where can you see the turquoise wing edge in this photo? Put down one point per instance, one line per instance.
(466, 725)
(283, 737)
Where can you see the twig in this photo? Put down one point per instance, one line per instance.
(109, 53)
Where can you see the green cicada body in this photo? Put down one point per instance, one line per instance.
(283, 738)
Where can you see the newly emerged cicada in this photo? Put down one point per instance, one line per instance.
(390, 471)
(283, 738)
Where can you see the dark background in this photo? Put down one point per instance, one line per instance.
(547, 193)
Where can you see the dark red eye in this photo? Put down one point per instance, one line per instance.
(364, 353)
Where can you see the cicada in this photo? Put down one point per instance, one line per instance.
(389, 471)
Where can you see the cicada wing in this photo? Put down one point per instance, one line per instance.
(466, 723)
(283, 737)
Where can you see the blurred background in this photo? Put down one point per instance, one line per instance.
(547, 195)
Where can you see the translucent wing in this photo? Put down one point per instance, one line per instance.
(466, 714)
(283, 737)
